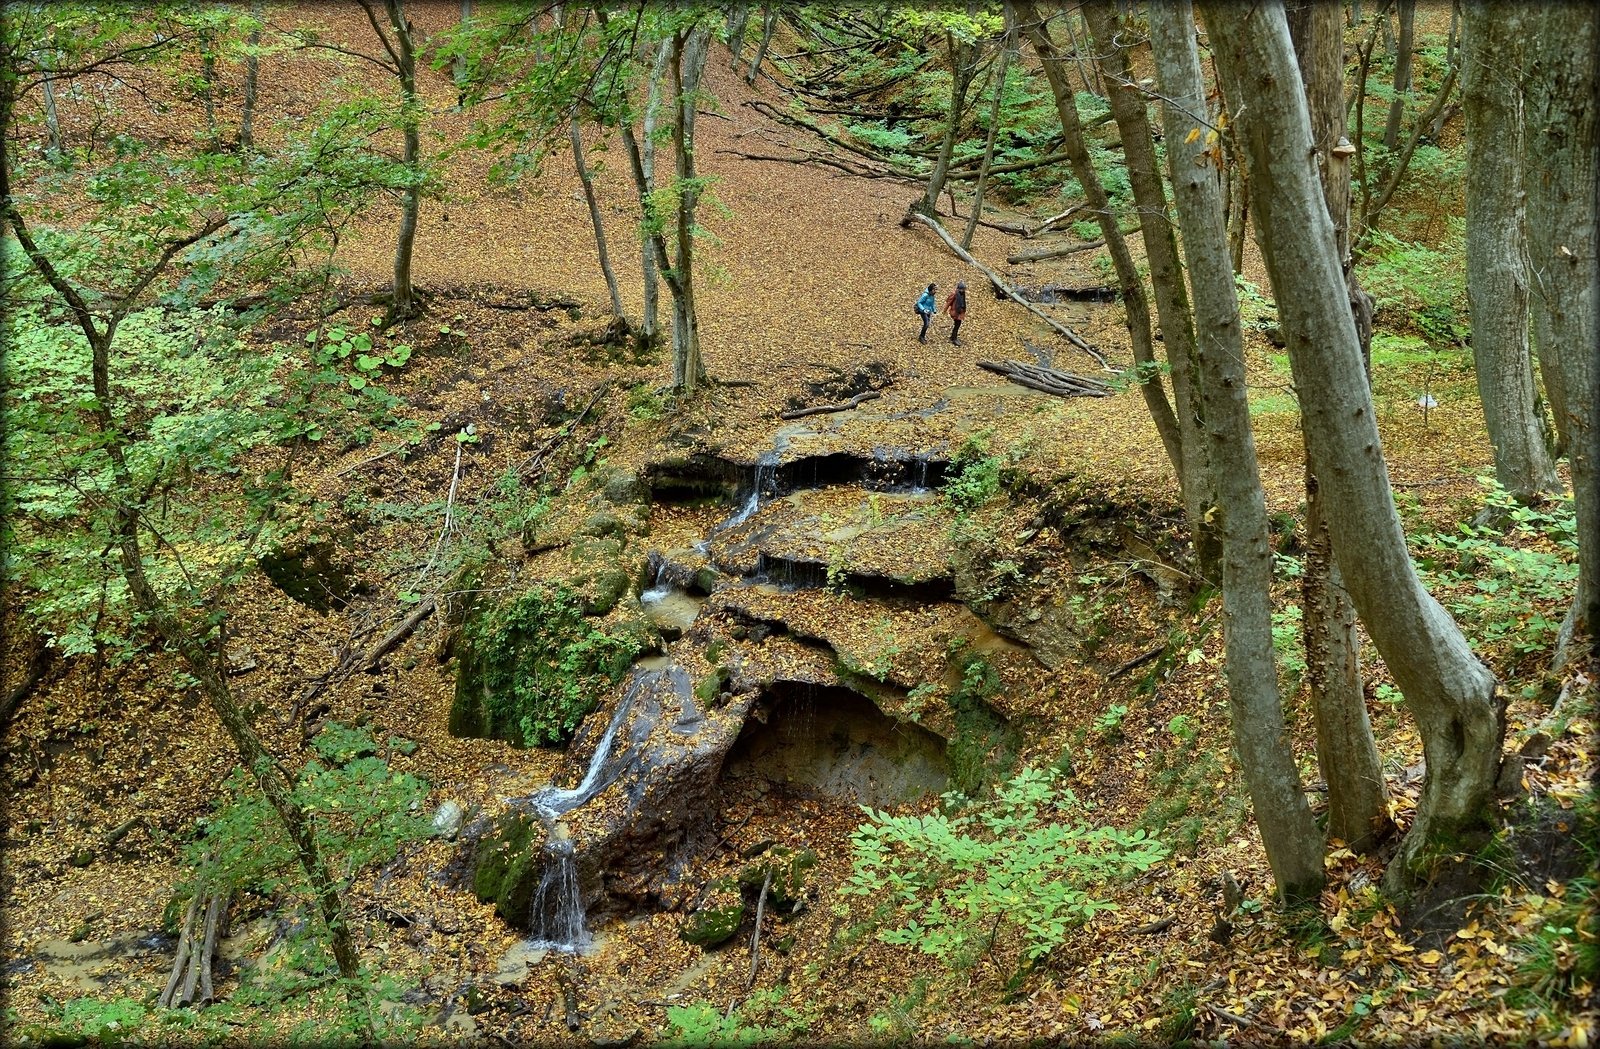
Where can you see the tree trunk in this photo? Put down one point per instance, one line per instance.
(1346, 751)
(247, 117)
(1293, 843)
(1562, 232)
(647, 167)
(1497, 283)
(458, 64)
(738, 19)
(575, 136)
(1129, 281)
(1451, 694)
(688, 60)
(1006, 45)
(52, 118)
(1406, 11)
(1166, 275)
(404, 303)
(963, 67)
(208, 87)
(769, 22)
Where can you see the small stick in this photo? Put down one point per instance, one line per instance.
(755, 938)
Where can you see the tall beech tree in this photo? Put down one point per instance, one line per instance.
(1497, 279)
(1562, 234)
(1290, 835)
(173, 228)
(1111, 38)
(1187, 463)
(1451, 694)
(1346, 750)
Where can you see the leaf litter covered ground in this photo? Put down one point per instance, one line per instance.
(813, 277)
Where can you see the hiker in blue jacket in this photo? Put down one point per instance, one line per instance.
(925, 309)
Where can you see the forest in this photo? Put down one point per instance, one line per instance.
(722, 523)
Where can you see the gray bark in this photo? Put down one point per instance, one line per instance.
(1293, 843)
(690, 48)
(1166, 273)
(1346, 750)
(738, 19)
(1497, 284)
(575, 136)
(1006, 45)
(403, 58)
(647, 166)
(769, 22)
(52, 118)
(1407, 13)
(1451, 694)
(247, 116)
(963, 67)
(1561, 183)
(1130, 283)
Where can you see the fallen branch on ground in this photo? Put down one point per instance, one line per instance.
(755, 938)
(1048, 380)
(824, 409)
(1006, 291)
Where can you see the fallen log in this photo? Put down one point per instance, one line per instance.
(1006, 291)
(399, 633)
(1052, 253)
(1045, 225)
(824, 409)
(1047, 380)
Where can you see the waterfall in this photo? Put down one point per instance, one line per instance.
(556, 916)
(766, 484)
(551, 802)
(660, 587)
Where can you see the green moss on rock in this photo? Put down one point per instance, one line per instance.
(508, 865)
(533, 666)
(717, 919)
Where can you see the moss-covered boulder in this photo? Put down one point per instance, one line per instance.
(717, 918)
(508, 865)
(787, 868)
(531, 667)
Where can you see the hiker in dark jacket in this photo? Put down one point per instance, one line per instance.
(926, 307)
(956, 307)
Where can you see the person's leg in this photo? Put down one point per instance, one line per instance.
(956, 330)
(926, 317)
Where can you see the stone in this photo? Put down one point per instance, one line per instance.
(623, 487)
(447, 820)
(717, 919)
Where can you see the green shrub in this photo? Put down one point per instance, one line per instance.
(1509, 588)
(975, 477)
(1016, 865)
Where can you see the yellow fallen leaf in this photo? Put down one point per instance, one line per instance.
(1429, 957)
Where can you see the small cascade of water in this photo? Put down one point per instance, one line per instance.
(919, 474)
(660, 586)
(764, 486)
(556, 916)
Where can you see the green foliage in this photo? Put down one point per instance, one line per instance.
(983, 746)
(200, 403)
(1508, 587)
(543, 663)
(1109, 724)
(1420, 286)
(1017, 866)
(1288, 641)
(701, 1025)
(974, 478)
(362, 813)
